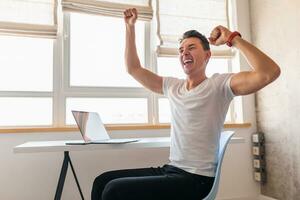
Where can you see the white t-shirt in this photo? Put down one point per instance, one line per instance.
(197, 118)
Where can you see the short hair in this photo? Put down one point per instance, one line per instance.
(196, 34)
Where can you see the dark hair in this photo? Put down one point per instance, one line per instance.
(196, 34)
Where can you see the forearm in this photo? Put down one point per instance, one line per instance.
(260, 62)
(131, 57)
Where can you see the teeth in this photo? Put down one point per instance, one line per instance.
(187, 61)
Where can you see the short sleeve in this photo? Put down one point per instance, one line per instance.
(168, 82)
(223, 83)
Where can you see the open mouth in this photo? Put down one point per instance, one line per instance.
(187, 61)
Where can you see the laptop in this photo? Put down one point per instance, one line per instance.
(93, 131)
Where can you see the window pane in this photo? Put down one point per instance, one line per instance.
(217, 65)
(24, 62)
(171, 67)
(164, 113)
(25, 111)
(228, 116)
(97, 51)
(111, 110)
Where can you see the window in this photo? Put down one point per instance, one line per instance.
(113, 110)
(26, 81)
(24, 62)
(98, 80)
(97, 46)
(26, 111)
(83, 68)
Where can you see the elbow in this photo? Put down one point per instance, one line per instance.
(273, 75)
(276, 73)
(132, 68)
(130, 71)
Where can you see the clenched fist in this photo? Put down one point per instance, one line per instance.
(130, 16)
(219, 35)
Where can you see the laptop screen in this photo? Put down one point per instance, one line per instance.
(90, 126)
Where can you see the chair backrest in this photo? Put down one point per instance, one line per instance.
(224, 140)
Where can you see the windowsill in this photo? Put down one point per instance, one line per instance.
(108, 127)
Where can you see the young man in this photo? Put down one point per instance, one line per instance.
(198, 106)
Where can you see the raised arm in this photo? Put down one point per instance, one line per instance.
(264, 69)
(147, 78)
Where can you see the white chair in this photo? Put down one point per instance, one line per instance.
(224, 140)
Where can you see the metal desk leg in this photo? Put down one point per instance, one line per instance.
(62, 177)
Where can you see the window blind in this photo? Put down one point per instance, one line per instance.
(35, 18)
(112, 8)
(174, 17)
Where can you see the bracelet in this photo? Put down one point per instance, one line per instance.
(232, 35)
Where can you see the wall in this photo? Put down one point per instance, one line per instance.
(33, 176)
(275, 30)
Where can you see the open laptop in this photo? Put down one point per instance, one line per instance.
(93, 131)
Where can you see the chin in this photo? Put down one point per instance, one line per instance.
(187, 72)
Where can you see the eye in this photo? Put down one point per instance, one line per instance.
(191, 48)
(180, 51)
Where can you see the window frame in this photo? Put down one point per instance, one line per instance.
(69, 91)
(32, 94)
(61, 76)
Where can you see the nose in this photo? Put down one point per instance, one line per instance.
(185, 52)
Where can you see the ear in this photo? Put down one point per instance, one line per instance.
(208, 55)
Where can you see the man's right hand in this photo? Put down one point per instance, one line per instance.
(130, 16)
(147, 78)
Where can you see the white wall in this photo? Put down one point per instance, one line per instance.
(275, 30)
(33, 176)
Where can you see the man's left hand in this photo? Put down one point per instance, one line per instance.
(219, 36)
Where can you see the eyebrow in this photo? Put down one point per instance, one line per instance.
(190, 45)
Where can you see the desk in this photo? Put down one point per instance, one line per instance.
(60, 146)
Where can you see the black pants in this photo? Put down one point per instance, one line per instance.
(162, 183)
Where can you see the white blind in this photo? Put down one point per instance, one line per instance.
(174, 17)
(35, 18)
(112, 8)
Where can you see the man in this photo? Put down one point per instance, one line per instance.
(198, 106)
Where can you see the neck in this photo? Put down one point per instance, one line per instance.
(193, 82)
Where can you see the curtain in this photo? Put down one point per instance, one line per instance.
(35, 18)
(174, 17)
(112, 8)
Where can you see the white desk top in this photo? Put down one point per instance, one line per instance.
(59, 146)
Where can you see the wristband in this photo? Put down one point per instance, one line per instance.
(232, 35)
